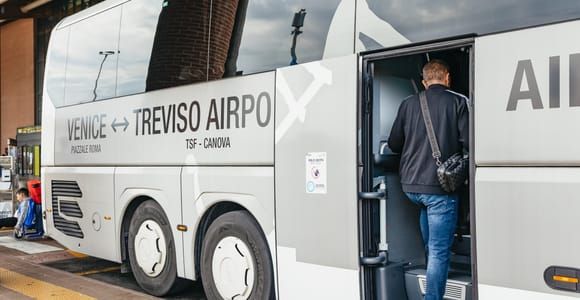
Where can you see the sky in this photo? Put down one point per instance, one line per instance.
(421, 20)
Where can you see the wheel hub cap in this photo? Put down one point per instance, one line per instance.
(233, 268)
(150, 248)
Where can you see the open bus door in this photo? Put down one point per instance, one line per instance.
(316, 180)
(394, 256)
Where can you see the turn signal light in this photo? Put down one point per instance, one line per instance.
(565, 279)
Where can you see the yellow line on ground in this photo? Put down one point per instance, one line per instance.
(98, 271)
(76, 254)
(7, 230)
(35, 288)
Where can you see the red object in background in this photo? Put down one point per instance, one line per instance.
(34, 190)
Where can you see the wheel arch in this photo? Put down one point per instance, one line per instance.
(212, 213)
(126, 220)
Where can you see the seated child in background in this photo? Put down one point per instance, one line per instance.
(24, 200)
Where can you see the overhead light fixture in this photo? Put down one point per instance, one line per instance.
(32, 5)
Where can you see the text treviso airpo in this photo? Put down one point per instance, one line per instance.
(224, 113)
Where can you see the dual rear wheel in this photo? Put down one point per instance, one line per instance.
(235, 259)
(152, 251)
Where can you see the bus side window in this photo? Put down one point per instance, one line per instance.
(138, 27)
(257, 35)
(56, 66)
(91, 69)
(180, 44)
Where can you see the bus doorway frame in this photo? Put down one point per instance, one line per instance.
(364, 157)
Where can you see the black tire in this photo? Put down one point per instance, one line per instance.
(239, 224)
(167, 281)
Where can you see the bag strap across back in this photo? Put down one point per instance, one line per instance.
(429, 125)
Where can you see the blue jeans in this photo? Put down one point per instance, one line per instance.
(438, 220)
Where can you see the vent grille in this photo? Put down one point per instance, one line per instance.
(453, 290)
(68, 208)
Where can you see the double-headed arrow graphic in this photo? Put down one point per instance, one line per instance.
(114, 125)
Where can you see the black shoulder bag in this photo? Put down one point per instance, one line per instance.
(453, 172)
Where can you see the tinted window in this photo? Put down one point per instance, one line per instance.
(419, 20)
(165, 43)
(55, 70)
(249, 36)
(180, 45)
(138, 27)
(92, 58)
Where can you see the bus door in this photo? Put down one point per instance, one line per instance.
(392, 249)
(527, 152)
(316, 180)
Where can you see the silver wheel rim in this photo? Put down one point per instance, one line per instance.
(150, 248)
(233, 268)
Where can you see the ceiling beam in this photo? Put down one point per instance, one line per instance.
(32, 5)
(13, 9)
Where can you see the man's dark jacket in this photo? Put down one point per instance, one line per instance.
(450, 118)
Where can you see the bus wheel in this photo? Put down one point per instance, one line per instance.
(152, 250)
(235, 259)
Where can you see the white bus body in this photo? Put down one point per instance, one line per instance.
(252, 183)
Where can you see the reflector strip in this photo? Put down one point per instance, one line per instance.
(104, 270)
(76, 254)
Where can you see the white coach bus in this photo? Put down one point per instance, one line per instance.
(179, 141)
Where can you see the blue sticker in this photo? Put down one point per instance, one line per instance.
(310, 186)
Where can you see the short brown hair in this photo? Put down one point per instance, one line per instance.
(435, 69)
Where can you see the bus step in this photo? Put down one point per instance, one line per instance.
(458, 287)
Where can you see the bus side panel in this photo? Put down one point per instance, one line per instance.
(161, 184)
(81, 213)
(527, 97)
(250, 187)
(316, 183)
(527, 221)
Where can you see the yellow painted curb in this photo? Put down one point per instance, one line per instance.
(35, 288)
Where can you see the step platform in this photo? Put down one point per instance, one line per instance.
(458, 287)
